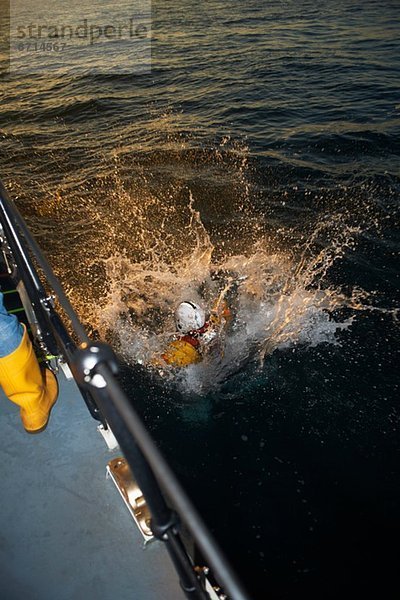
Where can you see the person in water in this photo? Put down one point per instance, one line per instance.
(195, 332)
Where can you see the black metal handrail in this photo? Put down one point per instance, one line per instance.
(94, 366)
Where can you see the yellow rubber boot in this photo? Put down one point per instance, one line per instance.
(24, 383)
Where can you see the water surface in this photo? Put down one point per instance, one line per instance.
(265, 138)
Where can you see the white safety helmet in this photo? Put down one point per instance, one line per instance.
(189, 316)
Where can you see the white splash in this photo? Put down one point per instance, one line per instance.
(277, 301)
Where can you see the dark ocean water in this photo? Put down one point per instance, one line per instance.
(281, 121)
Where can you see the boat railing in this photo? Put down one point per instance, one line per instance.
(94, 366)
